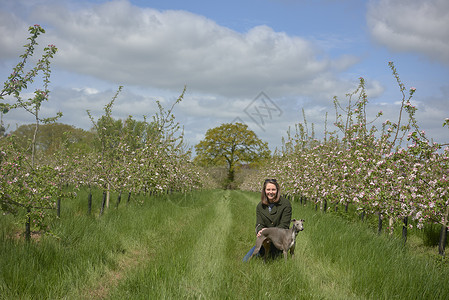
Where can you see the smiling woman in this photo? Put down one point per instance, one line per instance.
(272, 211)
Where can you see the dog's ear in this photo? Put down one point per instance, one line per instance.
(302, 220)
(293, 220)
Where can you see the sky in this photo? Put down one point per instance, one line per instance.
(265, 63)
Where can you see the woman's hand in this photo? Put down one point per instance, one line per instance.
(260, 232)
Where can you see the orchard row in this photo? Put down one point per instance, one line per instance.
(121, 161)
(394, 172)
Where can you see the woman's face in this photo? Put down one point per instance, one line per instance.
(270, 191)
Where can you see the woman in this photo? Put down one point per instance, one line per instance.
(272, 211)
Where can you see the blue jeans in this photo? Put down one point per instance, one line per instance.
(250, 252)
(273, 250)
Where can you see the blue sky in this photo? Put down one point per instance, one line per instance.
(298, 53)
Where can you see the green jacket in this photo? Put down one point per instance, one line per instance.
(280, 215)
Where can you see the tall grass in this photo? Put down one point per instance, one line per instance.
(377, 267)
(191, 246)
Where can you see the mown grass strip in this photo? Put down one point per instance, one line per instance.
(205, 273)
(254, 279)
(150, 237)
(174, 246)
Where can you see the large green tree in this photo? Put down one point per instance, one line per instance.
(231, 145)
(53, 136)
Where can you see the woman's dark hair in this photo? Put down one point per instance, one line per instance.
(264, 197)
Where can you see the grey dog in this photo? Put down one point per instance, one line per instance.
(283, 239)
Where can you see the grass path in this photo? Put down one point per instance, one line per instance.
(205, 271)
(305, 277)
(329, 280)
(111, 278)
(189, 252)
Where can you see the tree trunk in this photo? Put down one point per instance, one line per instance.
(107, 197)
(390, 224)
(231, 175)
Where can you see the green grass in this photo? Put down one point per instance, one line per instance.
(191, 247)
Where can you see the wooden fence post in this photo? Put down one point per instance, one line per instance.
(103, 203)
(404, 230)
(379, 226)
(119, 198)
(443, 239)
(58, 207)
(443, 233)
(28, 226)
(89, 202)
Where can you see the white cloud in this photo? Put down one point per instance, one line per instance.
(411, 26)
(87, 90)
(13, 35)
(154, 53)
(124, 44)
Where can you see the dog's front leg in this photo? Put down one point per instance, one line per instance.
(292, 251)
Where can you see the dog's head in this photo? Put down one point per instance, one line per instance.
(298, 225)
